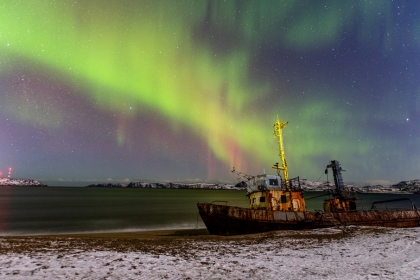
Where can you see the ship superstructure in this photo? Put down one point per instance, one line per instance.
(272, 192)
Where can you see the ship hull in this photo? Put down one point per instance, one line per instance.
(230, 220)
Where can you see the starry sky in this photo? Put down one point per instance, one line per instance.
(148, 90)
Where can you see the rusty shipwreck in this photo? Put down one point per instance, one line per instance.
(277, 203)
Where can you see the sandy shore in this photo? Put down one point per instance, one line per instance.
(152, 234)
(115, 241)
(157, 241)
(364, 253)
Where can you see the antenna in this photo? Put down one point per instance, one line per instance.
(241, 176)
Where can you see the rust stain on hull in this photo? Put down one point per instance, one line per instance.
(230, 220)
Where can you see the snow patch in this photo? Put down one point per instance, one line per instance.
(382, 254)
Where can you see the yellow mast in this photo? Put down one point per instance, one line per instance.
(278, 126)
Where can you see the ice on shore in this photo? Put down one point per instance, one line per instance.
(387, 254)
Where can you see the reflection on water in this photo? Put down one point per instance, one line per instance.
(28, 210)
(4, 207)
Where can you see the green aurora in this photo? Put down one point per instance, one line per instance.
(201, 68)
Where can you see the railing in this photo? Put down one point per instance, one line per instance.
(294, 184)
(413, 207)
(223, 201)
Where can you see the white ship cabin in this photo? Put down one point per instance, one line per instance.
(269, 192)
(264, 182)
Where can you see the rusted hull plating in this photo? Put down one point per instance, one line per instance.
(230, 220)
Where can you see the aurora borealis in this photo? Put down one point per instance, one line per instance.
(175, 90)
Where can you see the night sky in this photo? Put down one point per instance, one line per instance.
(182, 91)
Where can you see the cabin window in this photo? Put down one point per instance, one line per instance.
(273, 182)
(254, 200)
(262, 199)
(283, 199)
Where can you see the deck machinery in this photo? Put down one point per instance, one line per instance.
(340, 202)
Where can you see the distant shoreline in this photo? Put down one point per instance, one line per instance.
(403, 187)
(144, 185)
(21, 182)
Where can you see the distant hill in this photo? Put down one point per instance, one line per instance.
(20, 182)
(410, 186)
(170, 186)
(307, 185)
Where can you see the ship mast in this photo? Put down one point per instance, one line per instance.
(278, 126)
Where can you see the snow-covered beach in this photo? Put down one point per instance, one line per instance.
(365, 253)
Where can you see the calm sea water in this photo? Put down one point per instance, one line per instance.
(36, 210)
